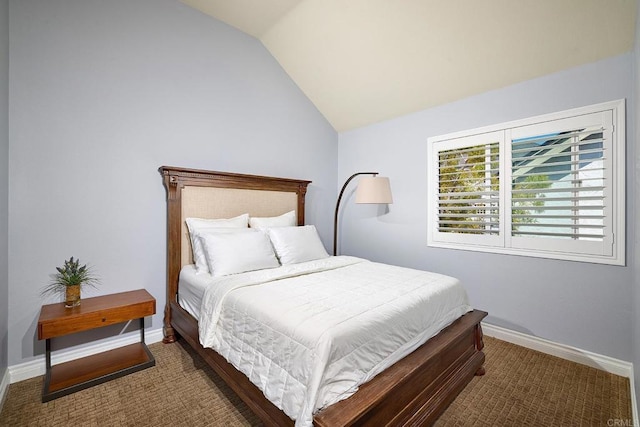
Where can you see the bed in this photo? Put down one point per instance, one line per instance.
(413, 391)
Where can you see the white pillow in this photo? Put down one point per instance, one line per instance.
(235, 222)
(196, 225)
(285, 220)
(199, 256)
(231, 253)
(297, 244)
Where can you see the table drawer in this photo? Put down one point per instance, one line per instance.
(94, 319)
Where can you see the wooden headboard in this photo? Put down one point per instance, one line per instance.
(209, 194)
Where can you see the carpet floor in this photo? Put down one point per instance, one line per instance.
(522, 387)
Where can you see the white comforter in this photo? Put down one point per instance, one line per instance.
(309, 334)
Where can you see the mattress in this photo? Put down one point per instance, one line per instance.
(191, 287)
(309, 334)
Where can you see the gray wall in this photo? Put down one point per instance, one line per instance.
(4, 183)
(102, 94)
(584, 305)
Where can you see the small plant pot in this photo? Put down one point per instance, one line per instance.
(72, 296)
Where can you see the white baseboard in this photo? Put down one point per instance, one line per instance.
(4, 388)
(584, 357)
(634, 400)
(36, 367)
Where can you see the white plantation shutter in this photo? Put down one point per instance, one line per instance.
(561, 185)
(468, 193)
(550, 186)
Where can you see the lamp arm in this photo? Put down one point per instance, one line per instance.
(335, 218)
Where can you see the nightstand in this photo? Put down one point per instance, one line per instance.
(55, 320)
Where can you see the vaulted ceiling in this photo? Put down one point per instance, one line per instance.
(364, 61)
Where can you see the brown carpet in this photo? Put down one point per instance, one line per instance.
(521, 388)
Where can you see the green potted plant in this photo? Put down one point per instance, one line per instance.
(70, 278)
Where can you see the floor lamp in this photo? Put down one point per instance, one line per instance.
(373, 189)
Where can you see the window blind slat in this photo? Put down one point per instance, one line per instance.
(541, 157)
(568, 143)
(572, 217)
(471, 193)
(564, 225)
(468, 230)
(557, 190)
(563, 207)
(567, 235)
(458, 223)
(546, 174)
(573, 163)
(544, 201)
(560, 135)
(466, 215)
(462, 172)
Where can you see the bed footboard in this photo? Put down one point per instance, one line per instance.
(413, 392)
(416, 390)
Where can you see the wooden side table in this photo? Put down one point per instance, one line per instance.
(55, 320)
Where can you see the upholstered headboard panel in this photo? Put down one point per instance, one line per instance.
(213, 203)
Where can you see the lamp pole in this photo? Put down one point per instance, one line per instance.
(335, 218)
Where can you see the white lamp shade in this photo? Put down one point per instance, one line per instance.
(374, 189)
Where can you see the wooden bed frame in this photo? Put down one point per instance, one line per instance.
(415, 391)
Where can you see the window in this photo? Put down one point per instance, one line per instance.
(549, 186)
